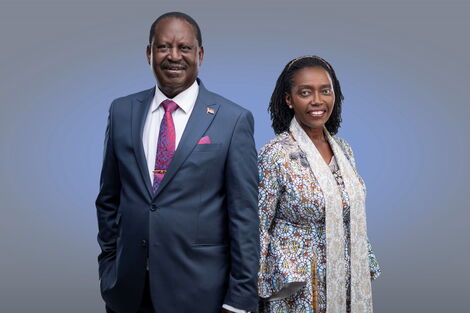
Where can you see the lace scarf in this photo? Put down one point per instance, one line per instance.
(361, 294)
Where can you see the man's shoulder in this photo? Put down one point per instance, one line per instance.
(141, 95)
(228, 105)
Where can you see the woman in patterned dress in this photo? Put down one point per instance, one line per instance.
(315, 253)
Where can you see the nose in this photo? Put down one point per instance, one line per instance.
(316, 100)
(174, 54)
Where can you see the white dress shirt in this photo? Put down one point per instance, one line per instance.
(185, 101)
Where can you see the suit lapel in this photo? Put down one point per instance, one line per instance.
(198, 123)
(140, 108)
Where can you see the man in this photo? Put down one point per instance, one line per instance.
(177, 207)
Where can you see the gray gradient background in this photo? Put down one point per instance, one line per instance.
(404, 69)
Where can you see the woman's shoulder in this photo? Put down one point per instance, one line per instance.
(342, 142)
(346, 147)
(279, 144)
(277, 148)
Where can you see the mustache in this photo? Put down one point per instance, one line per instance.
(166, 65)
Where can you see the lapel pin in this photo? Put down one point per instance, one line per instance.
(210, 111)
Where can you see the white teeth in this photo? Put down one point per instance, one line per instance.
(317, 112)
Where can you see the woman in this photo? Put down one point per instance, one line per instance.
(312, 201)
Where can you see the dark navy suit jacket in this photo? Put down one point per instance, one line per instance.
(199, 232)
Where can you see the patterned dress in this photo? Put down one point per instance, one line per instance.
(292, 213)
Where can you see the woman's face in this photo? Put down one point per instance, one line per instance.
(312, 97)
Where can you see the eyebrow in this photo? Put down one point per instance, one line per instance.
(310, 87)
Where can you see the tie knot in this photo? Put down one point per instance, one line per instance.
(169, 106)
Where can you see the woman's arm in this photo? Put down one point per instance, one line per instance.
(268, 194)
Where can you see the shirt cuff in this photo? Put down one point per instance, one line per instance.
(231, 308)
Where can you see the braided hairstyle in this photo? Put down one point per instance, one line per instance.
(281, 115)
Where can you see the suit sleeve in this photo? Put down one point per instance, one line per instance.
(241, 182)
(107, 202)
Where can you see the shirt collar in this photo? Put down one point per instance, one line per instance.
(185, 99)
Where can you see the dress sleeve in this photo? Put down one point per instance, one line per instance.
(268, 195)
(373, 264)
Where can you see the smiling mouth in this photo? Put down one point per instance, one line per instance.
(174, 69)
(317, 113)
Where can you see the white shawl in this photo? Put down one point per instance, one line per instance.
(361, 294)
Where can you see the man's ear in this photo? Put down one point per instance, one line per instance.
(149, 53)
(201, 55)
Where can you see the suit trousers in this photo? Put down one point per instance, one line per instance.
(146, 305)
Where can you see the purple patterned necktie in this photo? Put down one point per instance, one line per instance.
(166, 144)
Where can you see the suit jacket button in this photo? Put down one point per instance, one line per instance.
(143, 243)
(153, 207)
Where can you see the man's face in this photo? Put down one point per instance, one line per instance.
(175, 55)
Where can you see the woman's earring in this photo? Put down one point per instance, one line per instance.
(290, 106)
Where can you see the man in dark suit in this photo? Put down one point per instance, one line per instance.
(177, 207)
